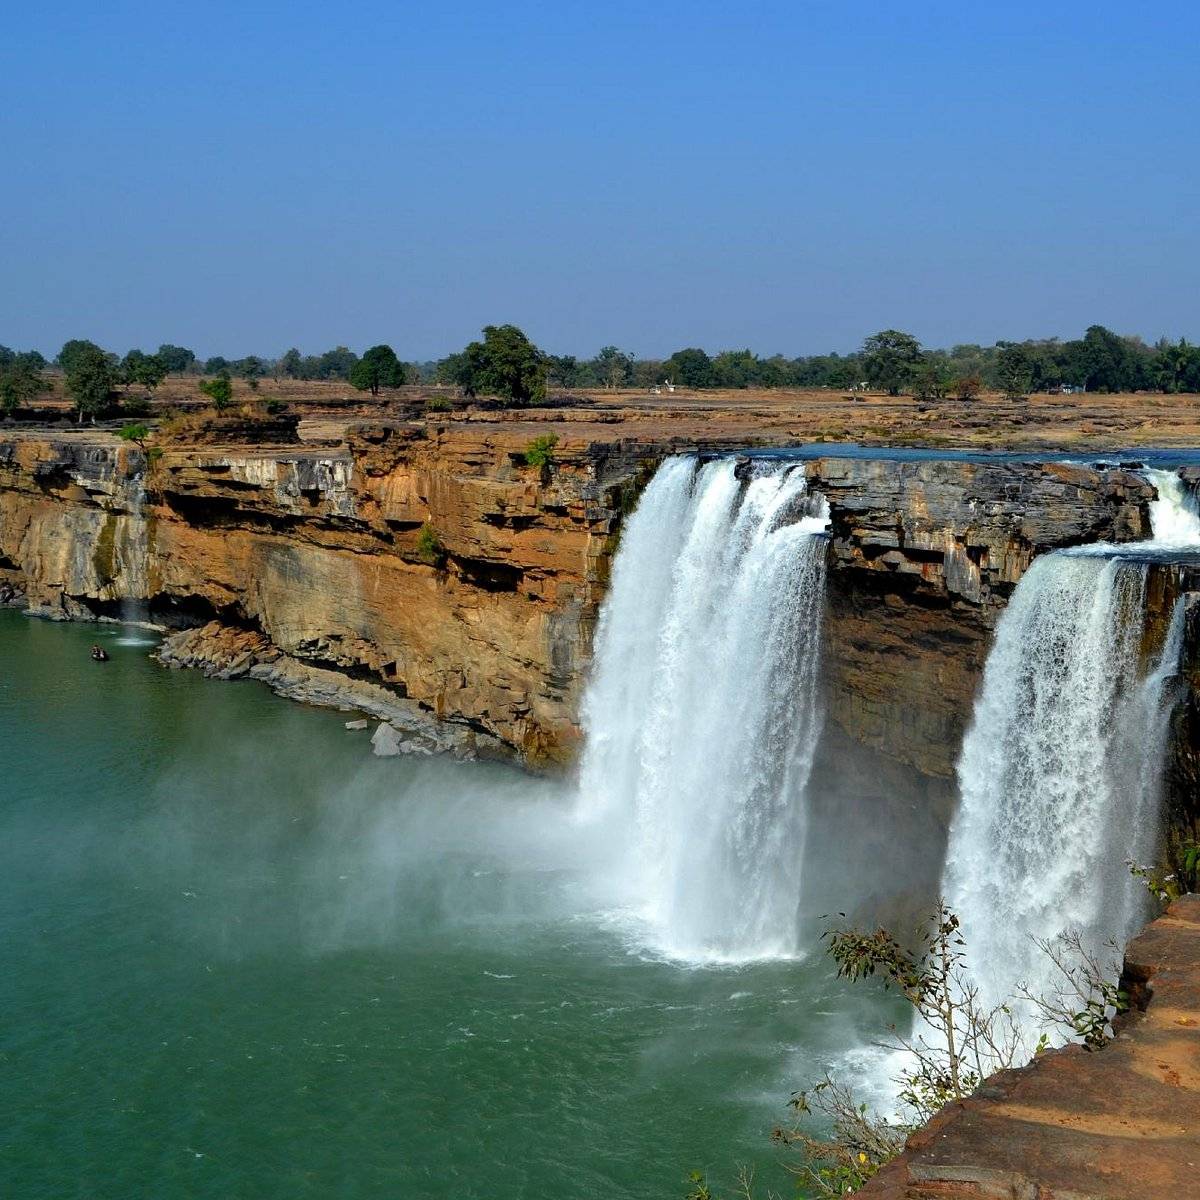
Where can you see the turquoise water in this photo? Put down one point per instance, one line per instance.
(242, 958)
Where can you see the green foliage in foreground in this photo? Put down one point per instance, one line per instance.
(956, 1043)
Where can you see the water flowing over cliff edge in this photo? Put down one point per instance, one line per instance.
(703, 715)
(304, 566)
(1061, 772)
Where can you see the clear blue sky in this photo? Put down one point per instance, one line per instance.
(242, 177)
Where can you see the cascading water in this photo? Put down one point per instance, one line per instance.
(1060, 772)
(131, 554)
(702, 717)
(1175, 515)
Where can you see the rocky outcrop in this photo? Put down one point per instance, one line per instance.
(431, 562)
(439, 567)
(1120, 1123)
(924, 557)
(226, 652)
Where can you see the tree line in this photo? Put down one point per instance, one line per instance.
(507, 365)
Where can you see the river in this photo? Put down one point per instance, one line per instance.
(243, 958)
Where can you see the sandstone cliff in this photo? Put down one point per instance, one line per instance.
(432, 562)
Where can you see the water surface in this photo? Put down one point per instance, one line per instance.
(242, 958)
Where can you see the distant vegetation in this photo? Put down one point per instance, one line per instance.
(506, 367)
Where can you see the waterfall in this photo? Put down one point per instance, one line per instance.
(1175, 515)
(1061, 770)
(131, 552)
(702, 715)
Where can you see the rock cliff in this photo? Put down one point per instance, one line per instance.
(431, 562)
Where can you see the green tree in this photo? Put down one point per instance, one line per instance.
(1177, 366)
(76, 350)
(146, 370)
(291, 364)
(177, 359)
(251, 368)
(1014, 370)
(613, 368)
(378, 368)
(736, 369)
(890, 359)
(691, 368)
(21, 380)
(217, 365)
(336, 363)
(562, 370)
(219, 391)
(931, 379)
(91, 376)
(506, 364)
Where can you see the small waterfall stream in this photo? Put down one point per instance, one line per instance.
(1060, 771)
(702, 716)
(131, 554)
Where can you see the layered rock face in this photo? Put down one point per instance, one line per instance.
(925, 555)
(433, 563)
(438, 567)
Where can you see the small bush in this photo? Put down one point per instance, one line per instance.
(274, 405)
(135, 433)
(219, 391)
(429, 546)
(540, 451)
(438, 404)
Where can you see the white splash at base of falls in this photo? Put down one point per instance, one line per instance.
(702, 717)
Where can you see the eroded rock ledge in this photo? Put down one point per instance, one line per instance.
(1121, 1123)
(430, 562)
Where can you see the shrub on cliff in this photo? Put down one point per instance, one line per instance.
(540, 451)
(429, 546)
(955, 1043)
